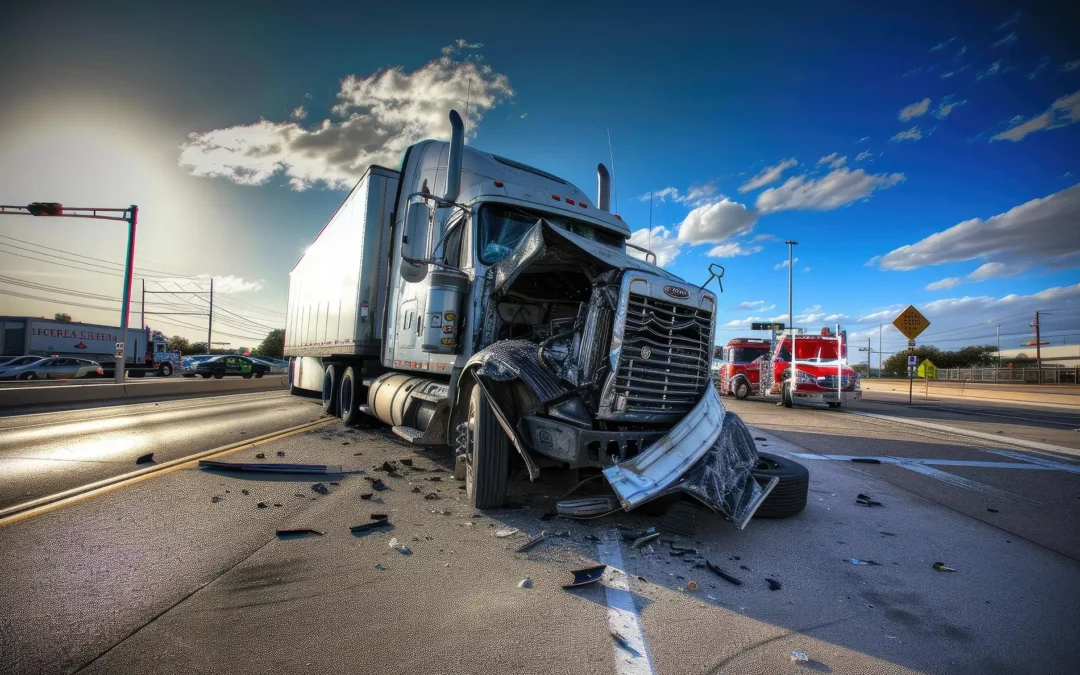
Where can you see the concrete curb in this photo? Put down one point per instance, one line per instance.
(79, 393)
(958, 391)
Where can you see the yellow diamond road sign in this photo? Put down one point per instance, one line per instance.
(911, 322)
(928, 370)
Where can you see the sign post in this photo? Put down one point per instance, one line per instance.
(911, 323)
(927, 371)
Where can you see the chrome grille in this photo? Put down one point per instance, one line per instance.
(665, 357)
(829, 381)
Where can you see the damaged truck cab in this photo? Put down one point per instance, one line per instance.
(473, 301)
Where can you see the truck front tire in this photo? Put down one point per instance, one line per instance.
(330, 390)
(347, 397)
(165, 370)
(487, 469)
(742, 389)
(785, 396)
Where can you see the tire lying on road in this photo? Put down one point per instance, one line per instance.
(789, 495)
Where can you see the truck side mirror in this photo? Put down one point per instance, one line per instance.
(414, 242)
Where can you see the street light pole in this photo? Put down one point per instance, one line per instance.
(791, 312)
(125, 308)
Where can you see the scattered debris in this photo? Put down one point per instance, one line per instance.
(691, 585)
(525, 583)
(642, 541)
(887, 534)
(942, 567)
(532, 542)
(865, 460)
(145, 459)
(584, 577)
(244, 492)
(416, 489)
(321, 488)
(270, 468)
(715, 569)
(335, 483)
(344, 442)
(856, 561)
(432, 496)
(681, 519)
(280, 453)
(561, 533)
(992, 510)
(504, 532)
(405, 462)
(433, 479)
(367, 495)
(399, 547)
(760, 438)
(799, 657)
(548, 515)
(677, 551)
(443, 512)
(380, 516)
(593, 538)
(864, 500)
(299, 532)
(642, 579)
(377, 520)
(262, 505)
(379, 566)
(378, 485)
(261, 455)
(357, 454)
(215, 500)
(774, 585)
(622, 642)
(586, 507)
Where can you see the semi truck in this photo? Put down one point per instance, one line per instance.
(473, 301)
(735, 377)
(821, 371)
(146, 348)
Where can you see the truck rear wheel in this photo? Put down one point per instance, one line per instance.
(487, 467)
(348, 395)
(330, 390)
(742, 389)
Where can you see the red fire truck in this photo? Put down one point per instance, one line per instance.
(735, 378)
(820, 371)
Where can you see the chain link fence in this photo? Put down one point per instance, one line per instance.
(1024, 375)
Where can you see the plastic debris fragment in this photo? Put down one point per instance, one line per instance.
(942, 567)
(856, 561)
(774, 585)
(584, 577)
(532, 542)
(298, 532)
(504, 532)
(799, 657)
(642, 541)
(525, 583)
(321, 488)
(145, 459)
(864, 500)
(715, 569)
(399, 547)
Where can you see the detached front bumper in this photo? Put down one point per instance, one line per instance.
(709, 454)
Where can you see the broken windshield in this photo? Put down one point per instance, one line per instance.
(502, 229)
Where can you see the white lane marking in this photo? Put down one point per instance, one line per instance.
(967, 484)
(622, 616)
(1060, 465)
(1025, 463)
(974, 434)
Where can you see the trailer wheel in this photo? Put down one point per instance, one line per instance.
(347, 398)
(165, 370)
(330, 390)
(742, 389)
(785, 396)
(219, 373)
(834, 404)
(789, 495)
(487, 467)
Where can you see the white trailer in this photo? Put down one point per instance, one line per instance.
(146, 349)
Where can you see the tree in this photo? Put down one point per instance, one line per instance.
(274, 344)
(178, 344)
(62, 316)
(198, 348)
(981, 356)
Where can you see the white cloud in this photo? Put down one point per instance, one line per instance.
(912, 134)
(1010, 20)
(755, 305)
(881, 316)
(917, 109)
(996, 270)
(833, 190)
(307, 96)
(833, 161)
(662, 242)
(956, 71)
(1006, 41)
(668, 193)
(961, 51)
(523, 115)
(944, 108)
(863, 139)
(375, 119)
(782, 264)
(863, 155)
(1043, 63)
(1042, 230)
(716, 222)
(231, 284)
(763, 237)
(993, 69)
(942, 284)
(459, 45)
(732, 249)
(768, 175)
(741, 323)
(969, 306)
(1070, 66)
(1062, 112)
(298, 113)
(942, 45)
(833, 318)
(697, 195)
(806, 269)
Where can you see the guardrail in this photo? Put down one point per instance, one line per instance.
(1023, 375)
(17, 397)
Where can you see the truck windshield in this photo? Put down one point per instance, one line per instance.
(503, 228)
(745, 354)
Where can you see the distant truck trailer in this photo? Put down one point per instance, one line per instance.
(34, 336)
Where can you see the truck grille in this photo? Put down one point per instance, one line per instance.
(829, 381)
(664, 363)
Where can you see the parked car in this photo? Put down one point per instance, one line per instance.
(275, 365)
(16, 361)
(58, 368)
(220, 366)
(187, 364)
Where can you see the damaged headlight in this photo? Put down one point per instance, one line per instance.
(802, 377)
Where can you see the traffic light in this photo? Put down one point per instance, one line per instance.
(45, 209)
(766, 326)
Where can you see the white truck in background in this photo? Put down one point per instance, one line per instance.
(470, 300)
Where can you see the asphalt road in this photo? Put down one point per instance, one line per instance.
(45, 453)
(162, 577)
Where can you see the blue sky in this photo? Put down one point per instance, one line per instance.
(878, 129)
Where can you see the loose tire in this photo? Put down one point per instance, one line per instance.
(218, 374)
(330, 390)
(166, 370)
(742, 389)
(789, 495)
(487, 469)
(786, 397)
(347, 397)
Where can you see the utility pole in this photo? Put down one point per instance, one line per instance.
(1038, 346)
(998, 330)
(880, 326)
(142, 306)
(210, 322)
(869, 351)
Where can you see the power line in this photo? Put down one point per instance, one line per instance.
(120, 265)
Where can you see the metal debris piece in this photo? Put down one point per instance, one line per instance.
(261, 455)
(691, 585)
(215, 500)
(942, 567)
(865, 460)
(366, 495)
(525, 583)
(504, 532)
(681, 519)
(378, 485)
(593, 538)
(586, 507)
(244, 491)
(715, 569)
(270, 468)
(433, 479)
(774, 585)
(760, 438)
(145, 459)
(642, 541)
(990, 510)
(856, 561)
(262, 505)
(799, 657)
(624, 643)
(321, 488)
(865, 500)
(405, 462)
(399, 547)
(532, 542)
(299, 532)
(677, 551)
(373, 525)
(280, 453)
(432, 496)
(584, 577)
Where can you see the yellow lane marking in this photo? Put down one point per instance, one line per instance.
(26, 510)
